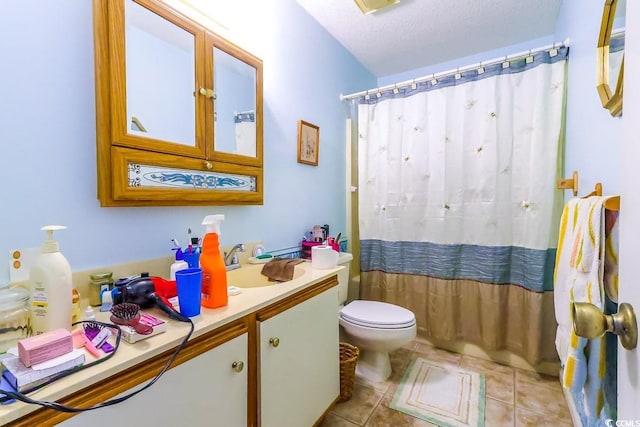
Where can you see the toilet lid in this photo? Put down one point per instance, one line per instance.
(377, 314)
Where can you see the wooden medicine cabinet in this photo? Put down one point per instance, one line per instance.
(178, 110)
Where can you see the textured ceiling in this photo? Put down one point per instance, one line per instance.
(418, 33)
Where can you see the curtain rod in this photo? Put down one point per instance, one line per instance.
(493, 61)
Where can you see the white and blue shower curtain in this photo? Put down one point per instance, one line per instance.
(458, 206)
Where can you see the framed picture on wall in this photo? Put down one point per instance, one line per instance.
(308, 143)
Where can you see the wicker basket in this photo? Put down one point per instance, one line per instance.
(348, 359)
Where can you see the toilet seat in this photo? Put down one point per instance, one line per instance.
(379, 315)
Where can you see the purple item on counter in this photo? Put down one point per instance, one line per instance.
(91, 331)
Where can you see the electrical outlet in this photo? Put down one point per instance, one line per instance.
(20, 262)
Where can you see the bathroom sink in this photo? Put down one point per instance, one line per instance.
(249, 276)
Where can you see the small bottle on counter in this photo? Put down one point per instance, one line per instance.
(99, 282)
(178, 264)
(89, 315)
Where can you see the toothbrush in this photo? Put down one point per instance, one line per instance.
(175, 243)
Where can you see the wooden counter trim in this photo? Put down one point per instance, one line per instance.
(295, 299)
(126, 379)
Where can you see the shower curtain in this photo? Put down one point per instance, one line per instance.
(458, 209)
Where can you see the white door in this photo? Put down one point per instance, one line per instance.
(629, 361)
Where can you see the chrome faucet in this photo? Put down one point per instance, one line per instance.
(231, 258)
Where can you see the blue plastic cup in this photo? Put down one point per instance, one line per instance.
(193, 259)
(189, 284)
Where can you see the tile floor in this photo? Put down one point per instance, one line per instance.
(514, 397)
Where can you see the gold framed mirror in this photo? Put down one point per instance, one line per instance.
(610, 56)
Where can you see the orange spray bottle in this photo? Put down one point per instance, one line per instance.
(214, 272)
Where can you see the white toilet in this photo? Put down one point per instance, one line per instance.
(376, 328)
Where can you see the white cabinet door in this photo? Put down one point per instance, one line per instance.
(205, 391)
(300, 378)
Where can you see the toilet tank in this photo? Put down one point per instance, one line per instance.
(344, 260)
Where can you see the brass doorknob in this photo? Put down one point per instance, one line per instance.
(238, 366)
(208, 165)
(275, 341)
(590, 322)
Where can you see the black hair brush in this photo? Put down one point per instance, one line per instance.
(128, 314)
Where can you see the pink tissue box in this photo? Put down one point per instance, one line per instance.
(43, 347)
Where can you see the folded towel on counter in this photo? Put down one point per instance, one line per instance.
(579, 278)
(280, 269)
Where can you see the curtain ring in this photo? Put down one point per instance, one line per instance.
(366, 95)
(414, 86)
(395, 89)
(529, 58)
(434, 81)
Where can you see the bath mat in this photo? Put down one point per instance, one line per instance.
(441, 394)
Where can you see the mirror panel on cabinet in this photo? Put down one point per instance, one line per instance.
(235, 105)
(160, 77)
(237, 121)
(153, 75)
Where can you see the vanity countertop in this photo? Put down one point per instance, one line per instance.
(128, 355)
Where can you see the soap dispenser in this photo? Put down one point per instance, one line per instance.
(51, 287)
(178, 264)
(214, 272)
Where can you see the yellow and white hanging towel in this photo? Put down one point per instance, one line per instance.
(611, 229)
(578, 277)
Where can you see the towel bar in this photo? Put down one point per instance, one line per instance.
(569, 183)
(612, 203)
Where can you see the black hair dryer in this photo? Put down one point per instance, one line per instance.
(142, 291)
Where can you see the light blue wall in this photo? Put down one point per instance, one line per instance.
(47, 132)
(593, 136)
